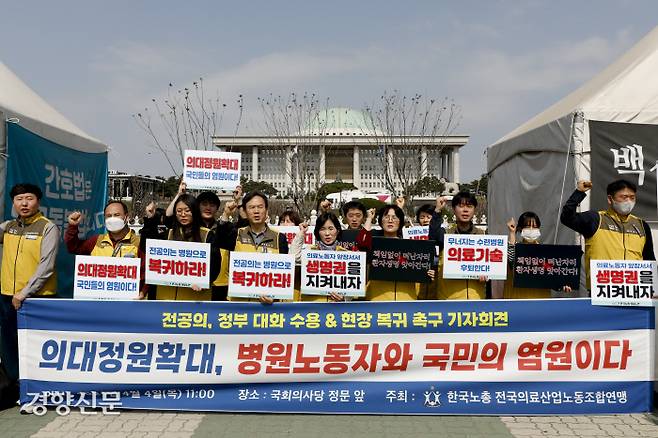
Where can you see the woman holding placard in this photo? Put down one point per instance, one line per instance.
(327, 234)
(391, 220)
(528, 226)
(187, 228)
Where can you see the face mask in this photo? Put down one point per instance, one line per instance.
(624, 207)
(114, 224)
(530, 234)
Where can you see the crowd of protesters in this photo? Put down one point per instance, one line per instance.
(30, 244)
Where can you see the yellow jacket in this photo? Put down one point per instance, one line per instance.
(29, 254)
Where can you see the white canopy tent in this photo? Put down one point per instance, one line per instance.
(20, 103)
(535, 167)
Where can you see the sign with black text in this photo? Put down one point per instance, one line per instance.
(628, 151)
(401, 259)
(547, 266)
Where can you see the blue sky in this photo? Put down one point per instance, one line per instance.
(502, 61)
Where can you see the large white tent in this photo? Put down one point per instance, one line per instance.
(21, 104)
(535, 167)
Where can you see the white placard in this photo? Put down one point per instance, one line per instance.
(474, 256)
(252, 274)
(623, 282)
(211, 170)
(106, 278)
(342, 272)
(416, 233)
(181, 264)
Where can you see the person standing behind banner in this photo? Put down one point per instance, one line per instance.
(424, 215)
(463, 206)
(529, 227)
(257, 236)
(187, 228)
(612, 234)
(327, 234)
(354, 214)
(119, 241)
(289, 218)
(30, 243)
(209, 205)
(391, 218)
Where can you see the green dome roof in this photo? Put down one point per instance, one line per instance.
(341, 121)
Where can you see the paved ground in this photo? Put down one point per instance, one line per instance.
(179, 425)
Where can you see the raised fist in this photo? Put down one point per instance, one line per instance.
(75, 218)
(149, 211)
(584, 186)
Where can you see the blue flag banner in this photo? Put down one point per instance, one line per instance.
(70, 180)
(429, 357)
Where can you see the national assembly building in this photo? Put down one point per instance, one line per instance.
(343, 146)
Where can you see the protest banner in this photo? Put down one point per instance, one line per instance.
(416, 233)
(432, 358)
(211, 170)
(623, 282)
(254, 274)
(180, 264)
(342, 272)
(106, 278)
(547, 266)
(348, 239)
(401, 260)
(474, 256)
(291, 231)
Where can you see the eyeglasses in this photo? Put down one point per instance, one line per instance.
(391, 218)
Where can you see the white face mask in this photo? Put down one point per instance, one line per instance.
(624, 207)
(114, 224)
(531, 234)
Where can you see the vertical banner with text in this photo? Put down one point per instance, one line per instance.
(71, 181)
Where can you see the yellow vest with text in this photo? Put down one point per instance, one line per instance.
(183, 293)
(468, 289)
(21, 255)
(126, 247)
(615, 239)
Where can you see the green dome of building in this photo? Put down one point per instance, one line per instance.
(342, 121)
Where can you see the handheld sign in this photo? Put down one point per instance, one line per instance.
(254, 274)
(547, 266)
(416, 233)
(106, 278)
(475, 255)
(401, 260)
(291, 231)
(180, 264)
(342, 272)
(623, 282)
(348, 239)
(211, 170)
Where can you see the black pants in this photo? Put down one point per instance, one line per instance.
(8, 337)
(219, 293)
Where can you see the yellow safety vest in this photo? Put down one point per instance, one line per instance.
(126, 247)
(22, 254)
(615, 239)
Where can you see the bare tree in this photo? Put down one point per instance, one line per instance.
(406, 130)
(297, 126)
(186, 119)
